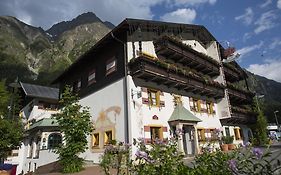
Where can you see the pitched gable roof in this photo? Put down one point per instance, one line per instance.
(180, 113)
(132, 25)
(38, 91)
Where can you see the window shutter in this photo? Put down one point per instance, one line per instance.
(162, 102)
(199, 105)
(146, 128)
(145, 101)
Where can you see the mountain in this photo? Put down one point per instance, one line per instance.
(272, 97)
(31, 53)
(86, 18)
(35, 55)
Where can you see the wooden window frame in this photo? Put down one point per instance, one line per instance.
(159, 130)
(93, 80)
(237, 134)
(150, 98)
(201, 135)
(106, 140)
(227, 131)
(95, 140)
(177, 100)
(196, 105)
(111, 69)
(210, 107)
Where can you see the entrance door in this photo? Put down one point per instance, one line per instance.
(188, 140)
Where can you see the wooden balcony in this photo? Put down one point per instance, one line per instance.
(240, 116)
(171, 49)
(239, 96)
(171, 76)
(232, 73)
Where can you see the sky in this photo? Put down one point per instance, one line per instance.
(253, 27)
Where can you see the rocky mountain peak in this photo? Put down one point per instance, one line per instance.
(85, 18)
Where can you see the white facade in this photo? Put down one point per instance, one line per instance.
(107, 111)
(34, 151)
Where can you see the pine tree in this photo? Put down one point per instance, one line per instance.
(75, 124)
(261, 125)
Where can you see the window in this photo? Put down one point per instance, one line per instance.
(37, 148)
(54, 140)
(153, 97)
(241, 134)
(108, 137)
(92, 77)
(210, 107)
(96, 140)
(111, 66)
(30, 150)
(195, 105)
(156, 133)
(201, 134)
(214, 135)
(227, 133)
(237, 134)
(77, 86)
(177, 100)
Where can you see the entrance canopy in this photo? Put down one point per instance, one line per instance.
(180, 113)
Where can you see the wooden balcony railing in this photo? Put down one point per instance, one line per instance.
(162, 73)
(232, 73)
(238, 95)
(240, 116)
(170, 48)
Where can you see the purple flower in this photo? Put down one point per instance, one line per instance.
(158, 142)
(242, 145)
(141, 154)
(232, 164)
(141, 140)
(257, 152)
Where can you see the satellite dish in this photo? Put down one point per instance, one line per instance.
(231, 58)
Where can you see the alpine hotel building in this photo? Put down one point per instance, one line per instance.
(147, 79)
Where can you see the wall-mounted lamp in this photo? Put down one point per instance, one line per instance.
(135, 92)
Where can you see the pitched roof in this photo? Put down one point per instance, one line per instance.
(180, 113)
(134, 24)
(45, 122)
(38, 91)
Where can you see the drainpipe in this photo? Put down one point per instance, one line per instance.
(125, 89)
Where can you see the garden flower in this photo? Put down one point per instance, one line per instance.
(232, 164)
(257, 152)
(141, 140)
(158, 142)
(248, 144)
(141, 154)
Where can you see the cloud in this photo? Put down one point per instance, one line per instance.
(265, 22)
(247, 17)
(270, 69)
(248, 49)
(46, 13)
(279, 4)
(247, 36)
(180, 16)
(192, 2)
(266, 3)
(276, 42)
